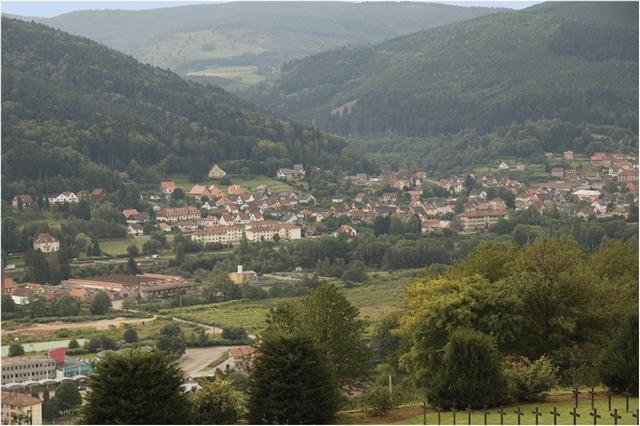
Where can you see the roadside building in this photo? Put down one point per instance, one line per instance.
(241, 357)
(46, 243)
(178, 214)
(17, 405)
(23, 201)
(243, 277)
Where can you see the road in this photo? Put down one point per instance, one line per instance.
(195, 360)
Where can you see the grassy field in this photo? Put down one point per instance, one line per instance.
(249, 184)
(383, 294)
(246, 74)
(413, 414)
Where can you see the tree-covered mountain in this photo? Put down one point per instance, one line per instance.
(75, 111)
(244, 42)
(577, 63)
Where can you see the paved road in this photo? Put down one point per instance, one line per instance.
(103, 324)
(207, 328)
(195, 360)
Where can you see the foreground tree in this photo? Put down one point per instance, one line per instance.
(135, 387)
(291, 383)
(470, 373)
(331, 321)
(217, 403)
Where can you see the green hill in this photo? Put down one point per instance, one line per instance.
(75, 111)
(243, 42)
(556, 61)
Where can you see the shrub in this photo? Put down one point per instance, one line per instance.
(217, 403)
(470, 373)
(234, 333)
(130, 335)
(618, 366)
(529, 381)
(378, 401)
(15, 349)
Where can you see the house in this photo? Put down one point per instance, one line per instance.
(600, 159)
(359, 198)
(135, 229)
(433, 225)
(346, 230)
(46, 243)
(8, 285)
(557, 172)
(138, 218)
(241, 357)
(628, 175)
(98, 194)
(66, 366)
(164, 227)
(199, 191)
(167, 187)
(16, 406)
(235, 190)
(243, 277)
(23, 201)
(586, 194)
(503, 166)
(567, 155)
(215, 192)
(178, 214)
(296, 173)
(63, 197)
(268, 231)
(129, 212)
(216, 172)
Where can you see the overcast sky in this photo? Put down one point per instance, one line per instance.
(54, 8)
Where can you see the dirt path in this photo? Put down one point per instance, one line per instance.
(37, 329)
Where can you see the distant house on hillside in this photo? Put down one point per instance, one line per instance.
(167, 187)
(216, 172)
(46, 243)
(241, 357)
(296, 173)
(22, 201)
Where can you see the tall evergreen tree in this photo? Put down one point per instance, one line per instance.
(136, 387)
(291, 382)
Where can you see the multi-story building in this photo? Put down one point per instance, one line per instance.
(266, 231)
(218, 234)
(481, 219)
(178, 214)
(20, 408)
(21, 369)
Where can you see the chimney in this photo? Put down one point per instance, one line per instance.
(239, 269)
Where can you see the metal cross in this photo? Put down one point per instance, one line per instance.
(595, 415)
(519, 413)
(555, 415)
(468, 414)
(424, 412)
(439, 410)
(486, 413)
(609, 399)
(502, 413)
(627, 395)
(454, 411)
(592, 392)
(576, 392)
(615, 416)
(574, 414)
(536, 413)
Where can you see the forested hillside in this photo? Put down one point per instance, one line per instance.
(75, 111)
(239, 43)
(550, 62)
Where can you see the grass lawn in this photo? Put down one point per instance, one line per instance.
(249, 184)
(383, 294)
(118, 246)
(246, 74)
(413, 414)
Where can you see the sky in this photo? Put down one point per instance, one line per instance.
(46, 9)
